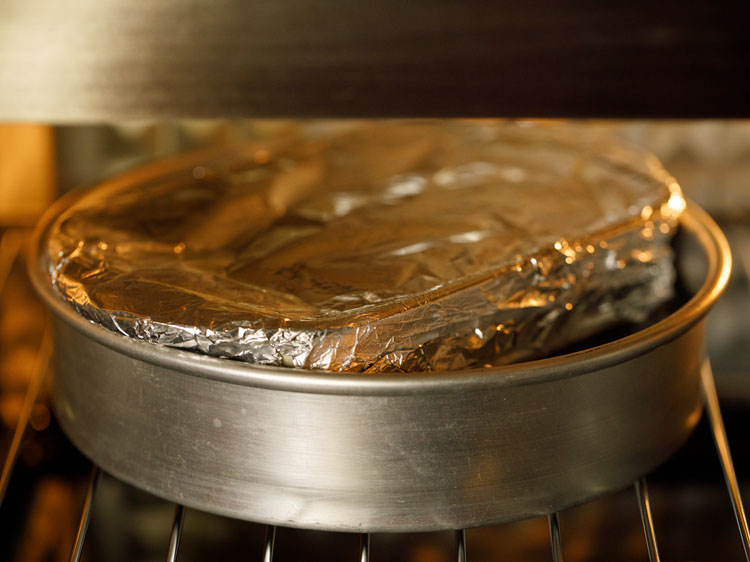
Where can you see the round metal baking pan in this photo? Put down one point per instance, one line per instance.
(414, 452)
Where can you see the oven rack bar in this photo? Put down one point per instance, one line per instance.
(268, 543)
(555, 538)
(725, 456)
(174, 539)
(88, 508)
(641, 492)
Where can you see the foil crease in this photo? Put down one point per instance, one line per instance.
(376, 247)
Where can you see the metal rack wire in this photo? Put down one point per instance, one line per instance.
(710, 399)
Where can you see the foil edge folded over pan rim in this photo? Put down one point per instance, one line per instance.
(694, 219)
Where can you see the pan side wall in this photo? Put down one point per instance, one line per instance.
(397, 462)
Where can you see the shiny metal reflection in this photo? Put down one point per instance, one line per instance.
(725, 456)
(641, 492)
(269, 542)
(555, 538)
(88, 506)
(461, 545)
(174, 539)
(364, 547)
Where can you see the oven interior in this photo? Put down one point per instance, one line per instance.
(47, 488)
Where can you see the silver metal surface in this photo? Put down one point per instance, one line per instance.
(268, 543)
(412, 452)
(364, 547)
(88, 507)
(555, 538)
(461, 545)
(725, 456)
(174, 538)
(641, 492)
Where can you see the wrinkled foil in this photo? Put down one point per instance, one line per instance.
(376, 247)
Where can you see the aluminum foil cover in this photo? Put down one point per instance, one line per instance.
(378, 247)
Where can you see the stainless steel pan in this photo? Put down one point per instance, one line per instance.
(361, 452)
